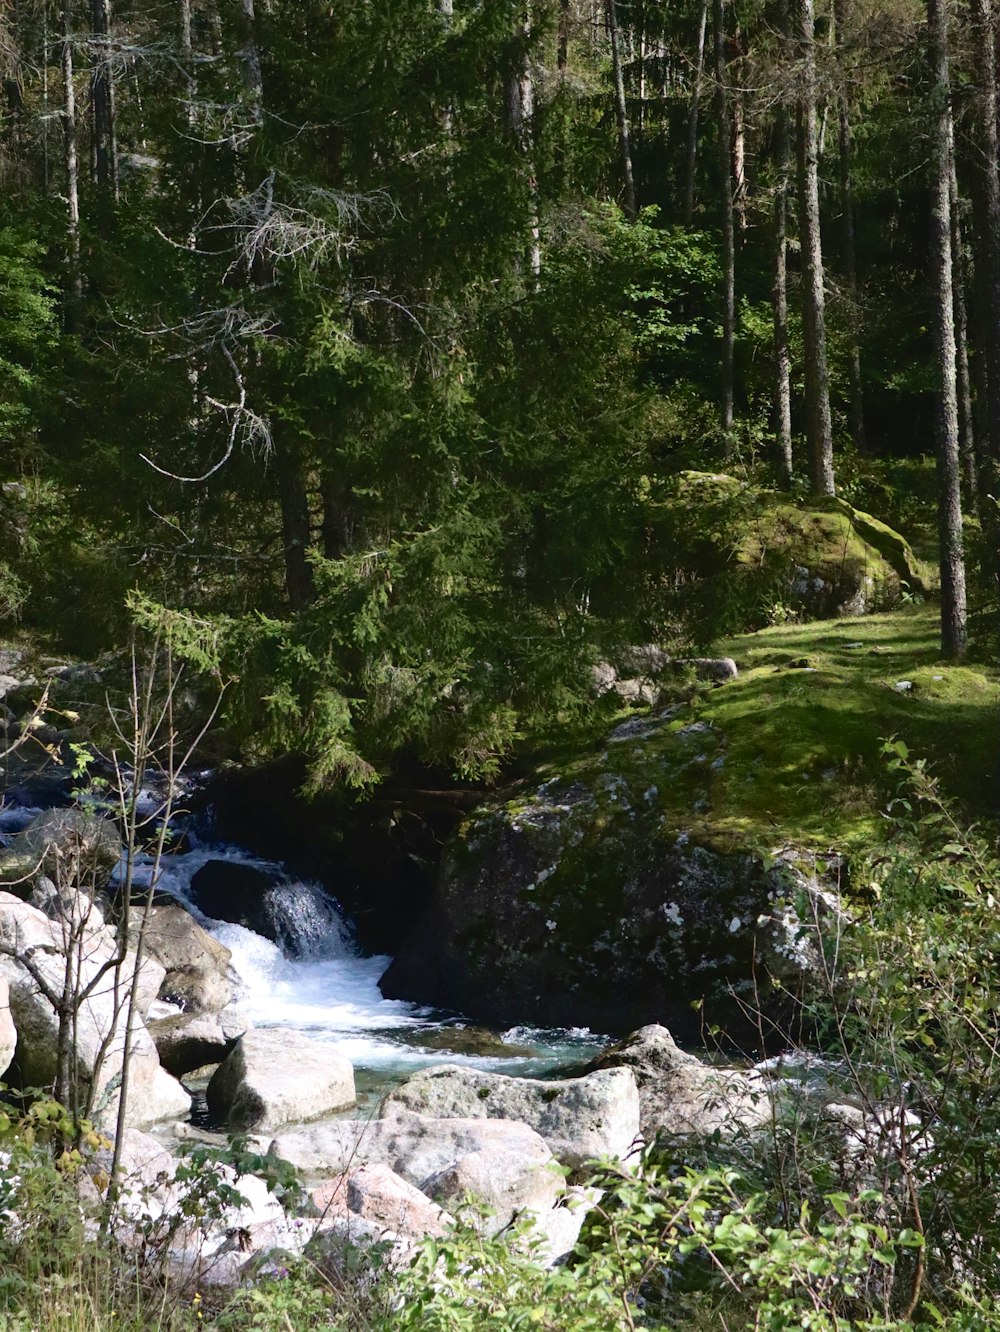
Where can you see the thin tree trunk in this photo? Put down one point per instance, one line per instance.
(295, 529)
(855, 401)
(728, 240)
(520, 113)
(71, 161)
(953, 608)
(692, 144)
(779, 302)
(621, 111)
(562, 51)
(986, 203)
(966, 415)
(819, 426)
(102, 91)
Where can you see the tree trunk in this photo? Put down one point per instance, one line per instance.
(953, 610)
(621, 111)
(723, 129)
(819, 427)
(295, 529)
(692, 144)
(520, 113)
(779, 302)
(102, 91)
(988, 281)
(71, 162)
(855, 401)
(966, 415)
(562, 51)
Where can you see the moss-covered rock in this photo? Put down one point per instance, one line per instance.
(744, 556)
(584, 905)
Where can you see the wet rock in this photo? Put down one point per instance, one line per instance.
(414, 1146)
(580, 1119)
(275, 1077)
(234, 892)
(680, 1094)
(197, 966)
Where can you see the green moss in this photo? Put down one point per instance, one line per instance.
(790, 751)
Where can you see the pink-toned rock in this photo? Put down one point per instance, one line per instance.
(504, 1181)
(378, 1194)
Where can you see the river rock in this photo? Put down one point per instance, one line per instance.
(8, 1032)
(375, 1193)
(580, 1119)
(197, 966)
(32, 960)
(414, 1146)
(232, 891)
(501, 1180)
(189, 1041)
(680, 1094)
(275, 1077)
(582, 903)
(71, 846)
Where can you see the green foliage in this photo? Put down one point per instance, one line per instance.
(26, 335)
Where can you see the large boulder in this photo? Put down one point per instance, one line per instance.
(375, 1193)
(232, 891)
(275, 1077)
(198, 976)
(72, 847)
(188, 1041)
(681, 1094)
(580, 1119)
(33, 962)
(8, 1032)
(501, 1181)
(588, 902)
(416, 1147)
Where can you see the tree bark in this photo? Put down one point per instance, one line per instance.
(102, 91)
(855, 401)
(953, 607)
(988, 281)
(692, 144)
(295, 528)
(723, 129)
(819, 426)
(966, 415)
(621, 111)
(520, 113)
(71, 161)
(779, 303)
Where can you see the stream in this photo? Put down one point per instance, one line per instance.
(317, 981)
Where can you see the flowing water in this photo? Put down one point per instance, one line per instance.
(316, 980)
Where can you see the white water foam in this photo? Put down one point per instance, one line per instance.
(321, 985)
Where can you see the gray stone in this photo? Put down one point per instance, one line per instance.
(197, 966)
(580, 1119)
(32, 949)
(8, 1032)
(376, 1193)
(500, 1180)
(190, 1041)
(70, 846)
(414, 1146)
(275, 1077)
(680, 1094)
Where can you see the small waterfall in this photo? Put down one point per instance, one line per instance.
(307, 922)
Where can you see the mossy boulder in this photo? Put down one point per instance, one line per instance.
(744, 556)
(585, 903)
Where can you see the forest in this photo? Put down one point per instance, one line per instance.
(535, 464)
